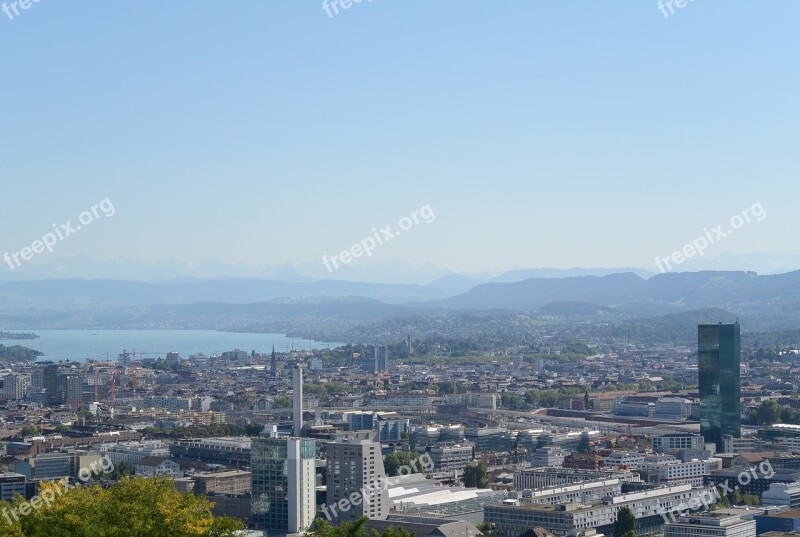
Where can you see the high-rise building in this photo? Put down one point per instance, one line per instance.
(297, 406)
(283, 484)
(719, 354)
(355, 468)
(381, 358)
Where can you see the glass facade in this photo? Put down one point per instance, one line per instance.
(719, 355)
(272, 473)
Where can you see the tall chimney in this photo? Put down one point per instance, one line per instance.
(297, 379)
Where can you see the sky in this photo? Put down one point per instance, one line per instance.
(540, 134)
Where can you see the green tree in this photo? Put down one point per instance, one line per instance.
(132, 508)
(768, 413)
(397, 459)
(721, 503)
(584, 445)
(625, 522)
(486, 528)
(510, 401)
(29, 430)
(282, 402)
(476, 475)
(736, 497)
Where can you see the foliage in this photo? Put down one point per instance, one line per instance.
(397, 459)
(768, 413)
(486, 528)
(510, 401)
(721, 503)
(625, 523)
(542, 398)
(29, 430)
(133, 507)
(281, 402)
(330, 388)
(476, 476)
(207, 431)
(584, 445)
(18, 353)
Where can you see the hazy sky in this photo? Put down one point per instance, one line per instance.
(569, 133)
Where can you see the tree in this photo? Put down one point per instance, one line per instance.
(625, 522)
(132, 508)
(510, 401)
(282, 402)
(583, 445)
(721, 503)
(630, 533)
(476, 475)
(397, 459)
(768, 413)
(736, 497)
(18, 353)
(486, 528)
(29, 430)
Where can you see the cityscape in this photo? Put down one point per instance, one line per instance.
(400, 269)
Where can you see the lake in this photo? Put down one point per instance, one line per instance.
(78, 345)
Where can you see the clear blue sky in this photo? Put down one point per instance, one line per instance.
(568, 133)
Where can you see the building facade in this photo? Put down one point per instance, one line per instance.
(719, 357)
(283, 475)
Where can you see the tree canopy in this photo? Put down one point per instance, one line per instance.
(625, 523)
(132, 508)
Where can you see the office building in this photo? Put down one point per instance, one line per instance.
(783, 521)
(677, 442)
(283, 484)
(714, 524)
(381, 358)
(719, 355)
(355, 466)
(786, 494)
(512, 518)
(450, 456)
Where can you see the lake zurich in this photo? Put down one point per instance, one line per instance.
(79, 345)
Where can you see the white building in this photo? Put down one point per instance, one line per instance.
(787, 494)
(158, 467)
(355, 467)
(131, 453)
(725, 523)
(628, 459)
(672, 471)
(13, 386)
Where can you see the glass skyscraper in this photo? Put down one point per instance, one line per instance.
(719, 354)
(283, 484)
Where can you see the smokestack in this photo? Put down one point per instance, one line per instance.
(297, 378)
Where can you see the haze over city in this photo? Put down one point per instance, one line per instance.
(376, 268)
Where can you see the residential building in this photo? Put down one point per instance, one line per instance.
(158, 467)
(354, 465)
